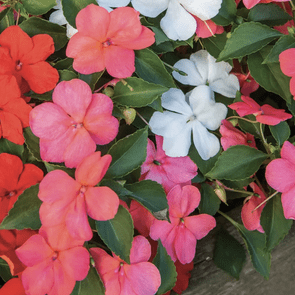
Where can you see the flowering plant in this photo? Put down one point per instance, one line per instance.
(127, 128)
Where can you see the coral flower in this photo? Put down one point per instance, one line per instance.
(280, 175)
(107, 40)
(13, 287)
(287, 64)
(180, 236)
(49, 270)
(69, 201)
(23, 58)
(72, 126)
(137, 278)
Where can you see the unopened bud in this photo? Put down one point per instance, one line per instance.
(109, 91)
(129, 115)
(221, 194)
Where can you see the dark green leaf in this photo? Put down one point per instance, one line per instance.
(229, 254)
(64, 64)
(35, 25)
(51, 167)
(157, 105)
(117, 233)
(25, 212)
(119, 189)
(281, 132)
(291, 106)
(32, 142)
(250, 127)
(237, 184)
(91, 79)
(215, 45)
(47, 96)
(128, 154)
(231, 166)
(9, 147)
(247, 38)
(209, 201)
(5, 270)
(274, 223)
(6, 18)
(167, 269)
(66, 75)
(226, 14)
(37, 7)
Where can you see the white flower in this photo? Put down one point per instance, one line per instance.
(58, 17)
(107, 4)
(200, 114)
(202, 69)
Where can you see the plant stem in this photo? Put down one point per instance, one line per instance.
(175, 69)
(265, 201)
(247, 120)
(143, 119)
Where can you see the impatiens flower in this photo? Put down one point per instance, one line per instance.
(208, 28)
(69, 201)
(200, 114)
(14, 112)
(137, 278)
(51, 271)
(108, 40)
(251, 3)
(180, 236)
(251, 220)
(166, 170)
(280, 175)
(13, 287)
(202, 69)
(287, 64)
(23, 59)
(15, 177)
(265, 114)
(232, 136)
(72, 126)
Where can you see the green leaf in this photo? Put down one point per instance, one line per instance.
(215, 45)
(247, 38)
(4, 270)
(71, 8)
(209, 201)
(226, 245)
(35, 25)
(47, 96)
(237, 184)
(135, 92)
(150, 194)
(51, 167)
(250, 127)
(6, 18)
(269, 14)
(117, 233)
(269, 76)
(9, 147)
(226, 14)
(92, 284)
(119, 189)
(91, 79)
(167, 269)
(274, 223)
(284, 43)
(128, 154)
(281, 132)
(157, 105)
(38, 7)
(64, 64)
(231, 166)
(291, 106)
(32, 142)
(150, 68)
(25, 212)
(66, 75)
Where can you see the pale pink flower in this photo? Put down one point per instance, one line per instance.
(69, 201)
(137, 278)
(180, 236)
(280, 175)
(72, 126)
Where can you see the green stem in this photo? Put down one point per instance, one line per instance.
(265, 201)
(242, 192)
(264, 140)
(247, 120)
(143, 119)
(175, 69)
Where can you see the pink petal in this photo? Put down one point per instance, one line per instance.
(292, 85)
(287, 62)
(200, 225)
(288, 152)
(92, 169)
(150, 156)
(247, 107)
(140, 251)
(101, 203)
(52, 214)
(250, 3)
(288, 202)
(73, 97)
(272, 116)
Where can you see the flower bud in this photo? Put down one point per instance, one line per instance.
(129, 115)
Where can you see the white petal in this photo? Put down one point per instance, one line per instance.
(217, 70)
(150, 8)
(71, 31)
(58, 4)
(227, 86)
(113, 3)
(206, 143)
(200, 59)
(57, 17)
(203, 9)
(174, 100)
(178, 146)
(178, 24)
(193, 77)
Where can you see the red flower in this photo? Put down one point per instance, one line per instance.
(23, 58)
(13, 287)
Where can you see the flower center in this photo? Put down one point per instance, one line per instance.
(157, 163)
(107, 43)
(19, 65)
(54, 256)
(77, 125)
(83, 190)
(191, 118)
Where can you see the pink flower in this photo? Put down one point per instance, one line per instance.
(203, 30)
(280, 175)
(107, 40)
(287, 64)
(251, 3)
(251, 220)
(69, 201)
(265, 114)
(51, 271)
(232, 136)
(138, 277)
(168, 171)
(180, 236)
(72, 126)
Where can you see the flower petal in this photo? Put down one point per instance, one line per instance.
(151, 8)
(228, 86)
(200, 225)
(288, 152)
(140, 250)
(288, 202)
(287, 63)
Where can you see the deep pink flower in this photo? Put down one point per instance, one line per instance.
(203, 31)
(168, 171)
(232, 136)
(180, 236)
(251, 220)
(287, 64)
(280, 175)
(107, 40)
(265, 114)
(137, 278)
(251, 3)
(51, 271)
(69, 201)
(72, 126)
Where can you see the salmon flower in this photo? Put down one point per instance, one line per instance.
(108, 40)
(287, 64)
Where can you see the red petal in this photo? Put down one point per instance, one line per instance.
(31, 175)
(13, 287)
